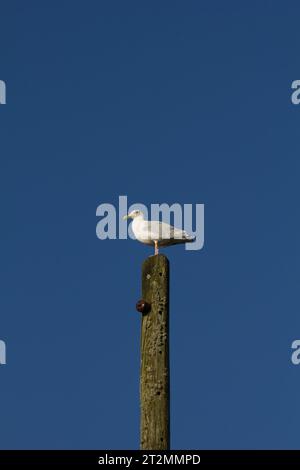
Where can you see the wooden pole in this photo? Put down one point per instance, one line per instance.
(154, 380)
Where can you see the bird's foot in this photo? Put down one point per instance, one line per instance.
(155, 247)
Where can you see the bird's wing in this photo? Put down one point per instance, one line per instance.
(162, 231)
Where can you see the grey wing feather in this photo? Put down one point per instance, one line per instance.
(163, 231)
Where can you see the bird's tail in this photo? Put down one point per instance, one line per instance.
(189, 238)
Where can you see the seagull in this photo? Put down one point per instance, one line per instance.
(152, 232)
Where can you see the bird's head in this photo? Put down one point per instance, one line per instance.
(133, 215)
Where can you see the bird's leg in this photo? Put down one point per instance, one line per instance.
(156, 247)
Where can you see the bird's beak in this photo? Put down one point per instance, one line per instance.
(126, 217)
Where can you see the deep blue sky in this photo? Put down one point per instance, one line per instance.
(168, 101)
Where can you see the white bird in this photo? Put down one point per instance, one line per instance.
(152, 232)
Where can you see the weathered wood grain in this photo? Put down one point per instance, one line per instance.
(155, 381)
